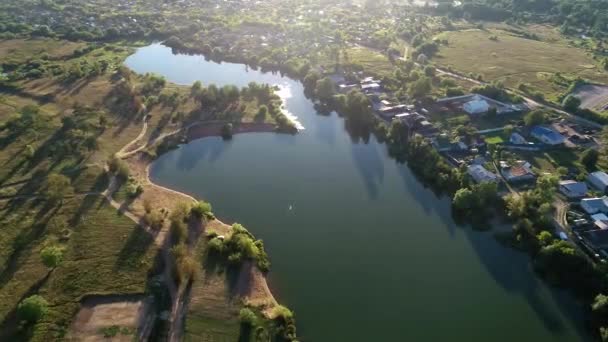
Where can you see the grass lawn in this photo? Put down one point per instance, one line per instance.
(495, 138)
(513, 59)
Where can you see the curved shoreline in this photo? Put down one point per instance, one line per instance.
(254, 285)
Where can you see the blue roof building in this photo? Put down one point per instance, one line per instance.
(547, 135)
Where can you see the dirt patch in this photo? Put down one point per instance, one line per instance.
(592, 96)
(128, 316)
(251, 285)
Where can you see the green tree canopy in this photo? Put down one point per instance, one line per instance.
(572, 103)
(57, 187)
(589, 158)
(32, 309)
(51, 256)
(535, 117)
(324, 88)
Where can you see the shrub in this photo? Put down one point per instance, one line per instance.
(247, 316)
(201, 209)
(281, 312)
(32, 309)
(51, 256)
(216, 245)
(134, 189)
(119, 167)
(227, 131)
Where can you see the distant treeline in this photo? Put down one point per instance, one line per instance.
(590, 16)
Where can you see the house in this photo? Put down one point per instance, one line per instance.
(517, 139)
(520, 171)
(390, 111)
(345, 88)
(600, 220)
(370, 87)
(598, 180)
(481, 174)
(597, 238)
(573, 189)
(547, 135)
(442, 143)
(595, 205)
(476, 106)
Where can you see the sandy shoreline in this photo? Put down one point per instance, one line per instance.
(252, 284)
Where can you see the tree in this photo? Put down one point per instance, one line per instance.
(324, 88)
(421, 87)
(546, 186)
(119, 167)
(197, 86)
(535, 117)
(262, 112)
(247, 316)
(201, 209)
(227, 131)
(572, 103)
(464, 199)
(589, 158)
(57, 187)
(32, 309)
(600, 306)
(51, 256)
(545, 238)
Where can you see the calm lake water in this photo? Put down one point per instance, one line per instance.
(360, 249)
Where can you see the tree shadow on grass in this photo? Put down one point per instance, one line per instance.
(10, 329)
(134, 250)
(24, 243)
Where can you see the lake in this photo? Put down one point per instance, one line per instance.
(360, 249)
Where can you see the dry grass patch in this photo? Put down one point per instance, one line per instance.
(21, 49)
(514, 60)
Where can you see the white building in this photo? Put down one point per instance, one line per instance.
(476, 106)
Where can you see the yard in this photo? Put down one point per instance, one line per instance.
(499, 55)
(550, 161)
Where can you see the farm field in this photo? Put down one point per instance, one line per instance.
(502, 56)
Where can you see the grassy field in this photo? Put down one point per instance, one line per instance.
(22, 49)
(105, 253)
(500, 55)
(212, 311)
(372, 61)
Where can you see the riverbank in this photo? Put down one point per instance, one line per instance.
(252, 285)
(204, 130)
